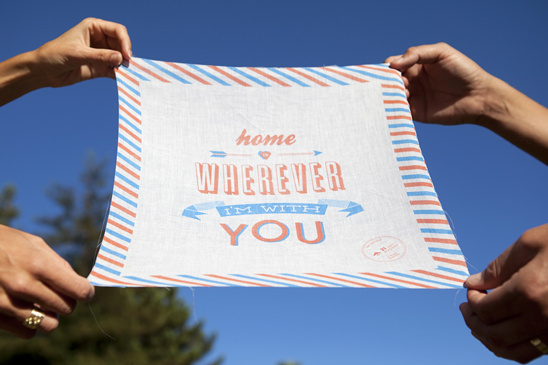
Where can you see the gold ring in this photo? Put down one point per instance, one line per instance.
(34, 320)
(541, 346)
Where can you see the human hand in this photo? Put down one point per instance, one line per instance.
(91, 49)
(33, 276)
(515, 312)
(443, 85)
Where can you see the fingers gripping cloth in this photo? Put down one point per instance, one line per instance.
(275, 177)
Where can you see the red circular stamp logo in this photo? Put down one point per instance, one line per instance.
(384, 249)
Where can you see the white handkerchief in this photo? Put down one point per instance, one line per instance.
(243, 176)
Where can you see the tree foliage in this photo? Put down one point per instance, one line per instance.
(120, 326)
(8, 211)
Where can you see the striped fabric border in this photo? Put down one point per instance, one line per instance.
(434, 227)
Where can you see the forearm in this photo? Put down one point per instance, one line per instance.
(517, 118)
(19, 76)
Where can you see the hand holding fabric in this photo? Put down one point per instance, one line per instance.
(507, 318)
(33, 276)
(444, 86)
(89, 50)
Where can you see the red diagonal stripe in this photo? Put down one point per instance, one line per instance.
(129, 96)
(268, 76)
(449, 261)
(237, 280)
(188, 73)
(130, 114)
(398, 280)
(178, 280)
(136, 156)
(313, 79)
(232, 77)
(147, 71)
(338, 72)
(125, 210)
(104, 258)
(438, 275)
(125, 75)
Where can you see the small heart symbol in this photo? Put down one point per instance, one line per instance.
(264, 154)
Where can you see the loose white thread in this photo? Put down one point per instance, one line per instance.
(97, 323)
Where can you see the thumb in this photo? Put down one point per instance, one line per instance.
(503, 267)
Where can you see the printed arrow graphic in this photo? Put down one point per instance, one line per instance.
(349, 207)
(222, 154)
(313, 153)
(193, 211)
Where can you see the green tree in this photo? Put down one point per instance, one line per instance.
(8, 211)
(120, 326)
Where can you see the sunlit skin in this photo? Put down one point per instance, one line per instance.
(32, 275)
(446, 87)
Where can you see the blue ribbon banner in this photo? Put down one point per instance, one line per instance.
(193, 211)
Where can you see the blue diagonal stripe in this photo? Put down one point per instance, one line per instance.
(415, 176)
(128, 86)
(396, 110)
(410, 158)
(125, 199)
(248, 76)
(421, 193)
(118, 235)
(135, 278)
(404, 141)
(332, 79)
(121, 219)
(264, 280)
(401, 125)
(129, 142)
(374, 76)
(128, 161)
(372, 280)
(436, 230)
(206, 280)
(113, 253)
(131, 124)
(167, 72)
(423, 279)
(210, 75)
(289, 77)
(445, 250)
(426, 211)
(401, 95)
(102, 267)
(136, 74)
(314, 279)
(127, 180)
(452, 271)
(124, 101)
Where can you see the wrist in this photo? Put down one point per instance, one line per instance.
(19, 75)
(495, 108)
(517, 118)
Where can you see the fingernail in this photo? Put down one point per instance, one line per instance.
(473, 280)
(116, 59)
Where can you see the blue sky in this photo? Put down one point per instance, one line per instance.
(491, 191)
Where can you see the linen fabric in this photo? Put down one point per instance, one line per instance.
(277, 177)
